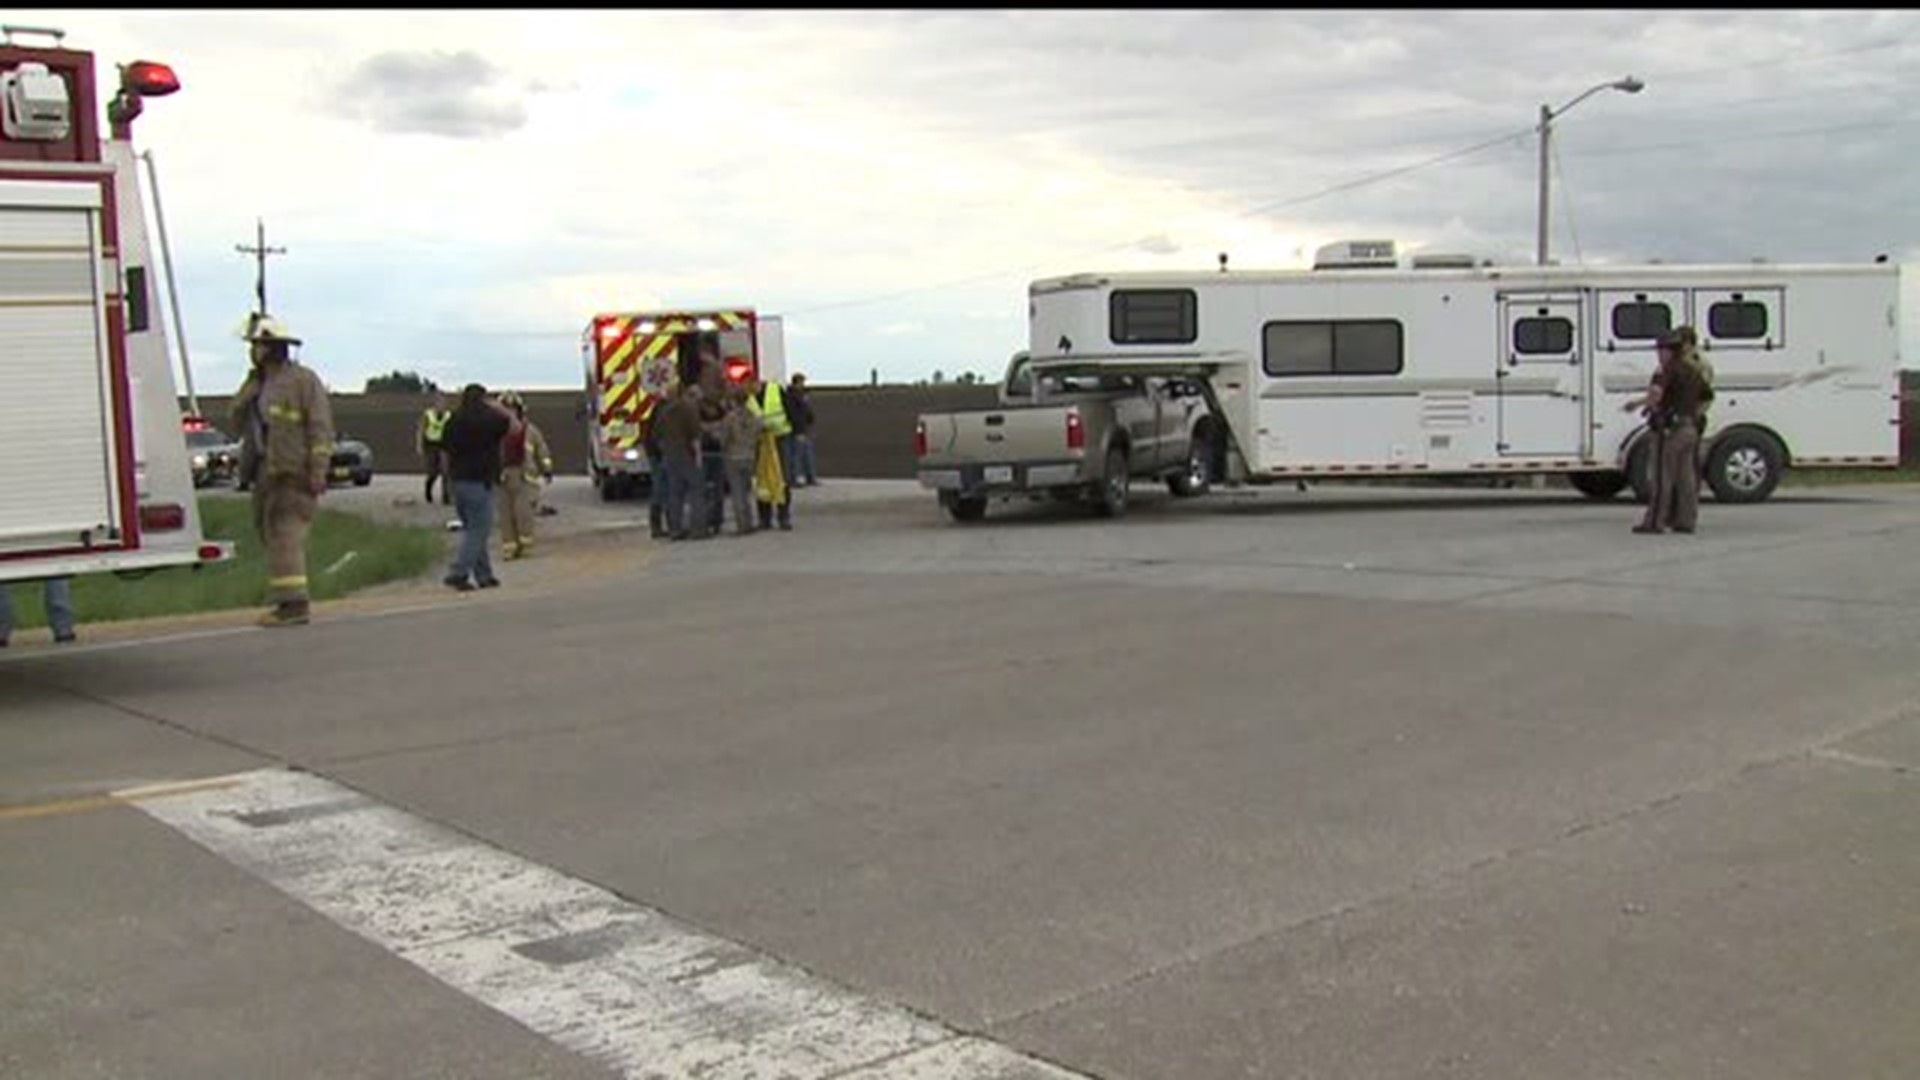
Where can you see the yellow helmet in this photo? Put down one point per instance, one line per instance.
(260, 327)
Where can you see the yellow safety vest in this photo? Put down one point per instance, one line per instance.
(772, 411)
(436, 426)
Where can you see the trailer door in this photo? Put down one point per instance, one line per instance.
(59, 469)
(1543, 375)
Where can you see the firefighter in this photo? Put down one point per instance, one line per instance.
(287, 425)
(431, 439)
(525, 461)
(769, 404)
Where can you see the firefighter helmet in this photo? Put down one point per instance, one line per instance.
(512, 400)
(260, 327)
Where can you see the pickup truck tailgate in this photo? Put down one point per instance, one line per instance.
(994, 436)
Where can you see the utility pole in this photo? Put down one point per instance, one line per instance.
(260, 251)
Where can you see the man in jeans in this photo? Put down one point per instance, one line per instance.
(678, 422)
(59, 602)
(800, 415)
(473, 462)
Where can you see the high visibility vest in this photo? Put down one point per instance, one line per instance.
(771, 407)
(436, 424)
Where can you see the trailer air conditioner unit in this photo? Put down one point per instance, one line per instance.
(34, 105)
(1357, 255)
(1444, 262)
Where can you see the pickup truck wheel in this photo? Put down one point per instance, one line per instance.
(1110, 494)
(1197, 476)
(967, 509)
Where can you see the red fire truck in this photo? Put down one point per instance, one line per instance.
(94, 472)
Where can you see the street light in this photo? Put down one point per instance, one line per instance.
(1628, 85)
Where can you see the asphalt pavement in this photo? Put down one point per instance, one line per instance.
(1344, 783)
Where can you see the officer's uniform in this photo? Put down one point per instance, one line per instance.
(1680, 391)
(288, 421)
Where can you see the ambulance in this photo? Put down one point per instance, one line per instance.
(632, 359)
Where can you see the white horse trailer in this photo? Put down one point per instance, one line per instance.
(1445, 366)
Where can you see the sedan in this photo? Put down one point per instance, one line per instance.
(352, 460)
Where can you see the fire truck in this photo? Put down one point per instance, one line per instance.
(94, 471)
(634, 358)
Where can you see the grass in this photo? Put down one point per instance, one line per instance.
(1816, 477)
(381, 553)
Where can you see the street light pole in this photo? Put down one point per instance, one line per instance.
(1540, 238)
(1628, 85)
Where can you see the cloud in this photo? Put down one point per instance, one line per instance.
(1158, 244)
(832, 183)
(430, 93)
(900, 329)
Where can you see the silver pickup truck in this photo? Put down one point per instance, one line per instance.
(1069, 437)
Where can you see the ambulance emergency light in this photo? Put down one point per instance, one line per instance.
(34, 105)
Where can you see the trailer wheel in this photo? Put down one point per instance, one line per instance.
(1197, 475)
(1600, 485)
(1744, 467)
(966, 509)
(1111, 493)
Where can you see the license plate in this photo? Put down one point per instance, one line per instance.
(342, 474)
(999, 474)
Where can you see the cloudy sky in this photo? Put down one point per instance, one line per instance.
(460, 191)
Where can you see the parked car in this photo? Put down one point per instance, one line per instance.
(215, 455)
(352, 460)
(1070, 437)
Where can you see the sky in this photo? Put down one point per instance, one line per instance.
(458, 192)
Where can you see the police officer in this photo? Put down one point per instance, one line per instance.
(431, 439)
(1675, 404)
(287, 426)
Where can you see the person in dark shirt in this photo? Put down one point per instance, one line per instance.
(473, 461)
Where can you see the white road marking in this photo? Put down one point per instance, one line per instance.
(622, 984)
(1861, 760)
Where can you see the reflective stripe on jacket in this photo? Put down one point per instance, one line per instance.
(433, 425)
(297, 418)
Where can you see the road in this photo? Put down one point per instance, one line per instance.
(1344, 783)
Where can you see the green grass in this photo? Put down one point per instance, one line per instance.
(1816, 477)
(382, 553)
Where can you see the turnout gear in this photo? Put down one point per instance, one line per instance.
(286, 421)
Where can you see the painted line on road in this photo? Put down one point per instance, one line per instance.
(81, 804)
(1862, 760)
(621, 984)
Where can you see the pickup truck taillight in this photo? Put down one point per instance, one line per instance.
(1076, 431)
(919, 438)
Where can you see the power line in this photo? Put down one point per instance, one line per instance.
(1765, 136)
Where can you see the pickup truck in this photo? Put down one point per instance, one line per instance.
(1070, 437)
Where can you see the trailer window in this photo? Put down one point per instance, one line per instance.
(1549, 336)
(1641, 320)
(1348, 347)
(1154, 317)
(1736, 319)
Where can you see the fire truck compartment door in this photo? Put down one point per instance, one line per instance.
(58, 467)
